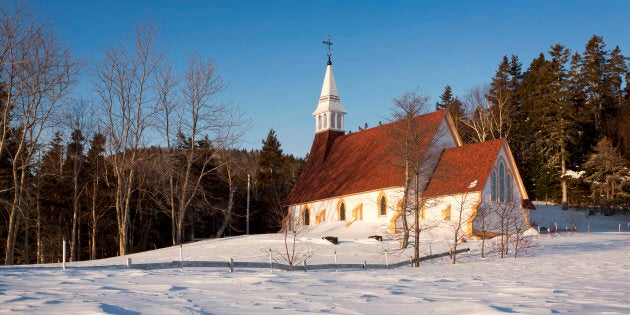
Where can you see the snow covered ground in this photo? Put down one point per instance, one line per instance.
(585, 273)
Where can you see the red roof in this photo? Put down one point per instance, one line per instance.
(341, 164)
(460, 166)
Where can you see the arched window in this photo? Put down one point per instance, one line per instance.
(325, 120)
(342, 211)
(319, 122)
(306, 216)
(382, 206)
(508, 185)
(501, 182)
(493, 189)
(339, 122)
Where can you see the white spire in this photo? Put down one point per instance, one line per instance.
(329, 112)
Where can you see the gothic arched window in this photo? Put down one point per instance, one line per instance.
(501, 182)
(493, 188)
(508, 187)
(342, 211)
(306, 216)
(383, 206)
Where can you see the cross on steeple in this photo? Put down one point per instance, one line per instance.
(329, 43)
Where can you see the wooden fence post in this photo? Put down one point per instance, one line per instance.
(63, 264)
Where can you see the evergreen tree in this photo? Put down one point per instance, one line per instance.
(501, 79)
(608, 173)
(503, 95)
(558, 117)
(445, 99)
(533, 93)
(584, 125)
(96, 189)
(455, 109)
(271, 184)
(52, 206)
(616, 71)
(593, 69)
(74, 182)
(516, 75)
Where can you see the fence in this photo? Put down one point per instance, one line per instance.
(231, 265)
(278, 266)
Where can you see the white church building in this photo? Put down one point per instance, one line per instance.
(359, 176)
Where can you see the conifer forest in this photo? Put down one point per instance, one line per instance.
(151, 158)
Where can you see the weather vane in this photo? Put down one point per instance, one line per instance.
(329, 43)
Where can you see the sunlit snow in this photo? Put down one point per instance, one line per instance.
(585, 273)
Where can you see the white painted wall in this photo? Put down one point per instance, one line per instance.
(370, 211)
(461, 203)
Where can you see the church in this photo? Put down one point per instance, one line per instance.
(359, 176)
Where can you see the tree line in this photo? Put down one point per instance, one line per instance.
(566, 117)
(86, 170)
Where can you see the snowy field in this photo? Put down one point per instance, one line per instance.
(584, 273)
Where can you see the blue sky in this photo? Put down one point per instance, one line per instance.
(271, 53)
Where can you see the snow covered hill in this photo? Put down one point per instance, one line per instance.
(586, 273)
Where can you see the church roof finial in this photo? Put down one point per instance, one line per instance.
(329, 43)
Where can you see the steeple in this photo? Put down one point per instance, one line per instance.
(329, 112)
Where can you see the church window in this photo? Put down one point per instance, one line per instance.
(332, 120)
(446, 213)
(501, 182)
(306, 216)
(342, 212)
(325, 120)
(508, 185)
(319, 122)
(383, 206)
(493, 189)
(339, 121)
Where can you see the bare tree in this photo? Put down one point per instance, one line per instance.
(199, 114)
(519, 226)
(98, 181)
(458, 221)
(167, 100)
(510, 221)
(418, 156)
(409, 105)
(484, 217)
(487, 119)
(228, 210)
(202, 118)
(477, 114)
(124, 81)
(501, 111)
(37, 72)
(76, 120)
(293, 253)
